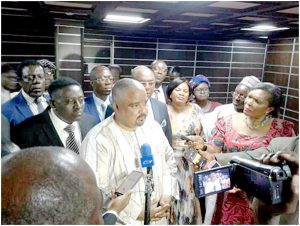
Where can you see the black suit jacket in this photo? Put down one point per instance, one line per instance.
(161, 115)
(40, 131)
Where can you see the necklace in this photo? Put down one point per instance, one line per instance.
(259, 125)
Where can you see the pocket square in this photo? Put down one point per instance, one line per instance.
(163, 123)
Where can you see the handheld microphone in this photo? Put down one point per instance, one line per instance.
(147, 162)
(147, 157)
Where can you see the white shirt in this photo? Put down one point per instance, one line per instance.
(99, 103)
(32, 105)
(113, 153)
(160, 94)
(209, 120)
(60, 126)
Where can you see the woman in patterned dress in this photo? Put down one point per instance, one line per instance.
(254, 128)
(185, 120)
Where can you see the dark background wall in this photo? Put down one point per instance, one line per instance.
(75, 50)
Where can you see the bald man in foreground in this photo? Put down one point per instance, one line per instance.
(156, 109)
(52, 185)
(112, 149)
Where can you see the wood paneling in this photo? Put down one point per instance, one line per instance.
(282, 69)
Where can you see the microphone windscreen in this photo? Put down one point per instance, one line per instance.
(146, 150)
(146, 156)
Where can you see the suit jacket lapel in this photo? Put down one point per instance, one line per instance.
(49, 130)
(22, 106)
(155, 110)
(93, 109)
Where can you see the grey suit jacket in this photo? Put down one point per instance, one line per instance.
(284, 144)
(161, 115)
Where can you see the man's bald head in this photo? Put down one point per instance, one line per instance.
(48, 185)
(160, 69)
(122, 86)
(101, 81)
(129, 103)
(145, 76)
(98, 70)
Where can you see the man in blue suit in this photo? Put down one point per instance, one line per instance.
(30, 100)
(98, 104)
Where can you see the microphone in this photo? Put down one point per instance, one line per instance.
(147, 161)
(147, 157)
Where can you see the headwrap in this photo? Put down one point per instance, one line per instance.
(249, 81)
(197, 80)
(47, 64)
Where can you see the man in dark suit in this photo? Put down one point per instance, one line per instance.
(60, 188)
(52, 127)
(160, 70)
(30, 100)
(156, 109)
(98, 104)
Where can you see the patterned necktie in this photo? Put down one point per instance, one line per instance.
(39, 104)
(71, 141)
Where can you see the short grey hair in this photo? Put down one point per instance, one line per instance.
(140, 69)
(122, 86)
(96, 70)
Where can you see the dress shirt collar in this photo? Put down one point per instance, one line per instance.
(98, 101)
(58, 123)
(30, 99)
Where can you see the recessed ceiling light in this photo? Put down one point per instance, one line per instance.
(233, 5)
(199, 28)
(198, 14)
(221, 24)
(136, 10)
(161, 26)
(176, 21)
(125, 19)
(15, 9)
(264, 37)
(294, 10)
(264, 28)
(69, 4)
(252, 18)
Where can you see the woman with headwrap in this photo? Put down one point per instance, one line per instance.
(200, 88)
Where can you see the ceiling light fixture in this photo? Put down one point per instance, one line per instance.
(265, 37)
(264, 28)
(125, 19)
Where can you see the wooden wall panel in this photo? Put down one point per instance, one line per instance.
(282, 69)
(223, 62)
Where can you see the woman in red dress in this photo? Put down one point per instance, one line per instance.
(254, 128)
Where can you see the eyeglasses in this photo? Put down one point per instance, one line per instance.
(205, 90)
(30, 78)
(235, 94)
(105, 79)
(160, 69)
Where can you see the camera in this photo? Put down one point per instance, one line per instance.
(268, 183)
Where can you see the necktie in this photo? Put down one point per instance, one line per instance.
(156, 91)
(71, 141)
(39, 104)
(103, 109)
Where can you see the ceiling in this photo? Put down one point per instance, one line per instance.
(172, 19)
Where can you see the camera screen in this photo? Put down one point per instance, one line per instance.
(212, 181)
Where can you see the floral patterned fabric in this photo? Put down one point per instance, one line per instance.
(183, 210)
(235, 207)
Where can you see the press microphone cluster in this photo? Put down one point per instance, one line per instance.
(147, 161)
